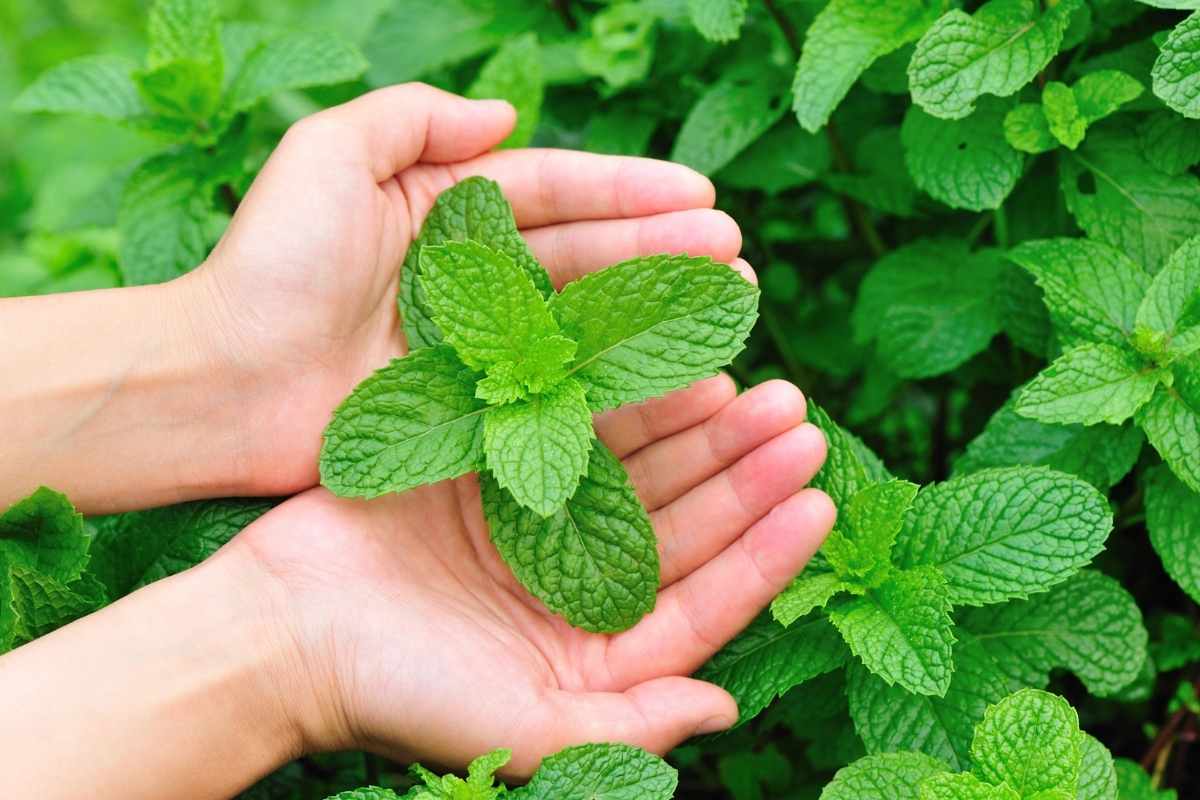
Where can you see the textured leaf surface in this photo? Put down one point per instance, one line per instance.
(1173, 519)
(595, 560)
(480, 783)
(965, 163)
(601, 772)
(804, 594)
(514, 73)
(472, 209)
(1097, 775)
(683, 319)
(846, 37)
(1135, 784)
(849, 465)
(44, 533)
(415, 421)
(887, 776)
(1170, 142)
(1174, 293)
(728, 117)
(718, 20)
(1090, 384)
(996, 51)
(861, 546)
(43, 604)
(1177, 71)
(1032, 742)
(366, 793)
(1027, 129)
(902, 630)
(163, 219)
(964, 786)
(100, 85)
(182, 30)
(1171, 421)
(1004, 533)
(295, 60)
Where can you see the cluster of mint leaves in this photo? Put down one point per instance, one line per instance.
(503, 377)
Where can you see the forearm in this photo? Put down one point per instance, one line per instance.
(174, 691)
(111, 397)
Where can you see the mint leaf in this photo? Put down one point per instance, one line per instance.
(183, 30)
(1177, 71)
(290, 61)
(1027, 129)
(964, 163)
(415, 421)
(164, 219)
(887, 776)
(45, 534)
(1097, 775)
(846, 37)
(472, 209)
(860, 548)
(683, 318)
(1173, 293)
(538, 448)
(849, 466)
(43, 604)
(804, 594)
(881, 180)
(766, 660)
(902, 630)
(133, 549)
(1069, 110)
(1170, 142)
(620, 49)
(964, 786)
(996, 51)
(1171, 421)
(601, 772)
(1092, 290)
(514, 73)
(1091, 383)
(1173, 519)
(1030, 741)
(1135, 784)
(99, 85)
(479, 785)
(1004, 533)
(728, 117)
(718, 20)
(786, 157)
(594, 560)
(369, 793)
(1089, 625)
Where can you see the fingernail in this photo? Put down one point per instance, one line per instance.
(713, 725)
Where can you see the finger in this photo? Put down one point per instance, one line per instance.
(547, 186)
(630, 428)
(699, 525)
(698, 615)
(656, 715)
(571, 250)
(665, 470)
(390, 129)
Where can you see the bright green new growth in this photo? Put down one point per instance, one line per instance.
(511, 391)
(1066, 112)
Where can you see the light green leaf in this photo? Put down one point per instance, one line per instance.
(1097, 775)
(718, 20)
(1173, 519)
(367, 793)
(601, 772)
(99, 85)
(413, 422)
(184, 30)
(1089, 625)
(786, 157)
(1027, 129)
(860, 548)
(595, 560)
(728, 117)
(996, 51)
(1135, 784)
(1171, 421)
(479, 785)
(846, 37)
(964, 786)
(294, 60)
(1032, 742)
(881, 180)
(963, 163)
(902, 630)
(473, 209)
(1092, 290)
(620, 49)
(1174, 295)
(1099, 94)
(766, 660)
(804, 594)
(1066, 122)
(1176, 73)
(1004, 533)
(44, 533)
(1091, 383)
(164, 219)
(681, 320)
(44, 604)
(850, 466)
(887, 776)
(514, 73)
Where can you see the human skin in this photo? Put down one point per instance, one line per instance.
(389, 625)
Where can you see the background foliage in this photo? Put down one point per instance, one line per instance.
(940, 198)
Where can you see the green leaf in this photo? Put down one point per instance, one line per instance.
(718, 20)
(728, 117)
(44, 533)
(538, 448)
(366, 793)
(850, 466)
(1176, 73)
(1027, 129)
(1170, 142)
(1174, 292)
(133, 549)
(1171, 421)
(846, 37)
(965, 163)
(294, 60)
(1032, 742)
(652, 325)
(185, 90)
(164, 219)
(998, 50)
(1089, 384)
(44, 604)
(860, 548)
(413, 422)
(887, 776)
(1173, 519)
(601, 772)
(514, 73)
(620, 49)
(99, 85)
(805, 594)
(881, 180)
(766, 660)
(479, 785)
(184, 30)
(1135, 784)
(1004, 533)
(1066, 122)
(902, 630)
(1099, 94)
(595, 560)
(1089, 625)
(473, 209)
(786, 157)
(1100, 454)
(1097, 775)
(964, 786)
(1092, 290)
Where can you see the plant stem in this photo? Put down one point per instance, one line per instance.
(854, 209)
(785, 26)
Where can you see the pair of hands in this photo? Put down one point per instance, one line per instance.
(402, 630)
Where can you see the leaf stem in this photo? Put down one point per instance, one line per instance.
(785, 27)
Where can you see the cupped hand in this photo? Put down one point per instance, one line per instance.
(302, 287)
(410, 637)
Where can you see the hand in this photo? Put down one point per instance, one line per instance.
(410, 636)
(301, 290)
